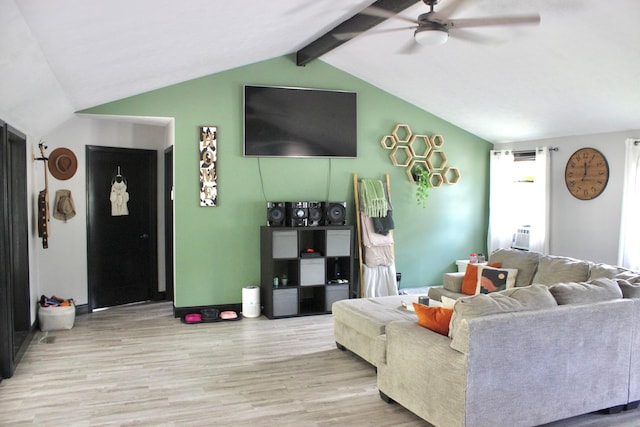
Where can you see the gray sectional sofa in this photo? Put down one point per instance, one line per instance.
(564, 341)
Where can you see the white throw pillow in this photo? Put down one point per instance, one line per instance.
(447, 302)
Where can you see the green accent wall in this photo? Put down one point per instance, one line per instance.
(217, 248)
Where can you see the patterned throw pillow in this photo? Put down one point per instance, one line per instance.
(491, 279)
(470, 280)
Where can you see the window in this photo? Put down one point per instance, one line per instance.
(518, 200)
(629, 250)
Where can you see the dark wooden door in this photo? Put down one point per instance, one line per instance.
(121, 225)
(15, 304)
(168, 222)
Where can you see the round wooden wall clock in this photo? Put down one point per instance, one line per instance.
(586, 173)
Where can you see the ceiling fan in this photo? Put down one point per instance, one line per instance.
(434, 28)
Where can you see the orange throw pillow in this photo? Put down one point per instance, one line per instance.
(435, 318)
(470, 280)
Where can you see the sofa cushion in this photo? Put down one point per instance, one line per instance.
(370, 316)
(605, 270)
(434, 318)
(492, 279)
(629, 290)
(525, 262)
(629, 276)
(597, 290)
(532, 297)
(558, 269)
(453, 281)
(470, 280)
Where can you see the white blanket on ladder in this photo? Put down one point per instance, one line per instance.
(380, 281)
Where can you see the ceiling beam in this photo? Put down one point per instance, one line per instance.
(357, 23)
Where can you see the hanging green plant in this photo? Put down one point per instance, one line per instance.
(421, 177)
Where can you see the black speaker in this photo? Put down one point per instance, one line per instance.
(316, 213)
(298, 213)
(276, 214)
(335, 213)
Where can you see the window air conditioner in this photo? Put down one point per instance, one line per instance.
(521, 238)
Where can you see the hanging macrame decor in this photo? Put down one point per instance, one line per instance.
(119, 195)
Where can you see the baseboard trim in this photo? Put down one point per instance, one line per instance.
(82, 309)
(27, 340)
(183, 311)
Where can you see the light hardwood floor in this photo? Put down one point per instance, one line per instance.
(137, 365)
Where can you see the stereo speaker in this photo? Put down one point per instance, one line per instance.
(298, 213)
(316, 213)
(335, 213)
(276, 214)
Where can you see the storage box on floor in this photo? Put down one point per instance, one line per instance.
(55, 318)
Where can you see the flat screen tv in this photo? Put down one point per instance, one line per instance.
(299, 122)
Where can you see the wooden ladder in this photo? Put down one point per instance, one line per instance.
(356, 194)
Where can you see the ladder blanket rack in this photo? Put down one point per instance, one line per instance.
(375, 237)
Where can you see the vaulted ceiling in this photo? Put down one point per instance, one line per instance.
(578, 72)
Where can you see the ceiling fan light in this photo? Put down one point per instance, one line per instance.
(431, 37)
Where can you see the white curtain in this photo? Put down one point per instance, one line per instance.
(504, 190)
(539, 233)
(501, 223)
(629, 249)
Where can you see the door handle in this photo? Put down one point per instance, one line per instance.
(144, 236)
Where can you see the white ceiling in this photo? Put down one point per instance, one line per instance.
(578, 72)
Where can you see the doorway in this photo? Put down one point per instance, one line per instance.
(168, 222)
(15, 305)
(121, 226)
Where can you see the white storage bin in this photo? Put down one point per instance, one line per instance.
(56, 318)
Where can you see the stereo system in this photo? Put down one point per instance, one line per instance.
(276, 216)
(306, 214)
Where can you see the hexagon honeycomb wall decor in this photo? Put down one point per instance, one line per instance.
(420, 145)
(436, 160)
(437, 141)
(409, 149)
(401, 155)
(402, 133)
(388, 142)
(436, 179)
(451, 175)
(415, 162)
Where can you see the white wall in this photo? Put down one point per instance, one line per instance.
(584, 229)
(62, 268)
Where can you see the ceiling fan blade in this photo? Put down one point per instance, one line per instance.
(349, 36)
(472, 36)
(384, 13)
(450, 8)
(498, 20)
